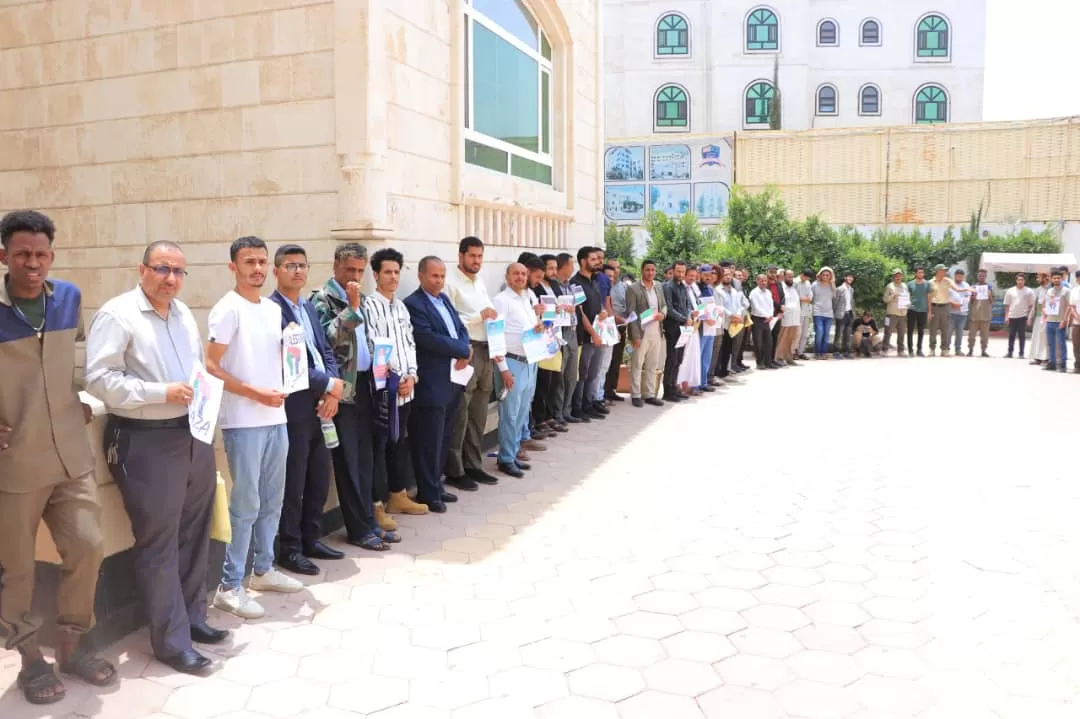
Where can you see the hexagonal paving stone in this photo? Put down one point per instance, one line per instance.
(765, 642)
(410, 711)
(900, 635)
(529, 685)
(651, 705)
(739, 578)
(409, 662)
(497, 708)
(206, 699)
(557, 654)
(369, 694)
(795, 576)
(664, 601)
(887, 694)
(133, 698)
(338, 666)
(679, 676)
(648, 625)
(288, 698)
(445, 635)
(894, 609)
(514, 630)
(825, 667)
(839, 613)
(698, 646)
(582, 628)
(747, 560)
(754, 672)
(890, 662)
(305, 640)
(628, 651)
(709, 619)
(768, 616)
(853, 573)
(606, 681)
(726, 598)
(817, 701)
(259, 668)
(451, 690)
(484, 657)
(734, 702)
(831, 638)
(785, 595)
(681, 581)
(577, 708)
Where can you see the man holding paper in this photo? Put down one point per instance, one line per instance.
(141, 350)
(762, 313)
(645, 299)
(982, 306)
(245, 352)
(897, 303)
(518, 374)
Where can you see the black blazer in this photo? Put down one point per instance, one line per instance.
(678, 304)
(435, 347)
(318, 380)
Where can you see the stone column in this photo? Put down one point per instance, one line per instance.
(361, 83)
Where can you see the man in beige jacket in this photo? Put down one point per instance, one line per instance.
(646, 337)
(897, 303)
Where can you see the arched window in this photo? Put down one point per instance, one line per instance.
(508, 108)
(870, 33)
(762, 30)
(760, 98)
(672, 108)
(932, 37)
(931, 105)
(827, 34)
(672, 35)
(869, 100)
(826, 100)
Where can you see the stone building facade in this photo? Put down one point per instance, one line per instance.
(310, 121)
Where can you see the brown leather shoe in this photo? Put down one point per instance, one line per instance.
(534, 446)
(523, 456)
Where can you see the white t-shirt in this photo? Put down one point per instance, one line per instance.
(253, 335)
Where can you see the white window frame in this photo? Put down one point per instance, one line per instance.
(689, 37)
(945, 59)
(817, 98)
(880, 32)
(817, 32)
(915, 104)
(880, 100)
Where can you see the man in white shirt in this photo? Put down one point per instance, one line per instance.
(245, 353)
(519, 314)
(470, 298)
(1073, 320)
(1019, 311)
(761, 314)
(806, 311)
(959, 304)
(790, 321)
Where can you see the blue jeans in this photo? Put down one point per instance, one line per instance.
(514, 409)
(706, 358)
(956, 329)
(822, 329)
(1057, 355)
(257, 464)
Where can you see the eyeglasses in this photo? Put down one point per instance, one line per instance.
(164, 271)
(295, 266)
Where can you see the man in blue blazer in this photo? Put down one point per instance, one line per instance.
(307, 468)
(441, 341)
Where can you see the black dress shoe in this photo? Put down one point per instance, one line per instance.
(573, 420)
(599, 407)
(593, 414)
(655, 402)
(297, 563)
(511, 469)
(481, 477)
(672, 396)
(188, 661)
(560, 428)
(205, 634)
(523, 465)
(708, 388)
(465, 484)
(436, 507)
(637, 401)
(448, 497)
(318, 550)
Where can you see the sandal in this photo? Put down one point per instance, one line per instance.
(373, 543)
(89, 667)
(39, 683)
(387, 536)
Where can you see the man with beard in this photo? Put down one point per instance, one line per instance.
(678, 315)
(585, 404)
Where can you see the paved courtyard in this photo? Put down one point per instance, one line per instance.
(870, 539)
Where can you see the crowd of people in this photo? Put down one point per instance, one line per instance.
(379, 421)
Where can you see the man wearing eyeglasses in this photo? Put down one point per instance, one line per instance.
(140, 352)
(307, 466)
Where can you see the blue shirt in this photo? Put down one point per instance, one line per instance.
(363, 354)
(604, 284)
(309, 334)
(440, 307)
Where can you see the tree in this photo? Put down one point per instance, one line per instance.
(774, 106)
(619, 244)
(679, 238)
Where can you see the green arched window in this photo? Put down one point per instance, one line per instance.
(932, 37)
(931, 105)
(762, 30)
(759, 103)
(672, 35)
(672, 107)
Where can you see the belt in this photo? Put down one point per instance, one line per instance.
(131, 423)
(478, 342)
(940, 304)
(519, 358)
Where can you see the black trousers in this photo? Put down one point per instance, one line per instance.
(737, 348)
(393, 465)
(1018, 328)
(167, 480)
(842, 338)
(354, 461)
(611, 382)
(775, 336)
(674, 357)
(918, 319)
(762, 341)
(307, 478)
(727, 342)
(546, 382)
(431, 429)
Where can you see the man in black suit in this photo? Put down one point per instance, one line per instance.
(307, 466)
(679, 313)
(441, 341)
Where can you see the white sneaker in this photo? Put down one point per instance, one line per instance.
(274, 581)
(236, 601)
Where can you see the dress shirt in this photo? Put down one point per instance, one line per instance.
(469, 295)
(729, 300)
(440, 307)
(309, 334)
(792, 314)
(618, 298)
(363, 352)
(133, 353)
(761, 303)
(390, 318)
(518, 314)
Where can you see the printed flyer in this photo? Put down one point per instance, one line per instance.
(496, 332)
(380, 360)
(294, 360)
(207, 391)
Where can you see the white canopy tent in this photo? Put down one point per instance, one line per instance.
(1026, 262)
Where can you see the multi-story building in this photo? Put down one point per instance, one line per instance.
(701, 66)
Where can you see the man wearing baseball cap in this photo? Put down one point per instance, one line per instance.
(897, 302)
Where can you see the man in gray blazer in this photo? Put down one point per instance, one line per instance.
(679, 313)
(646, 337)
